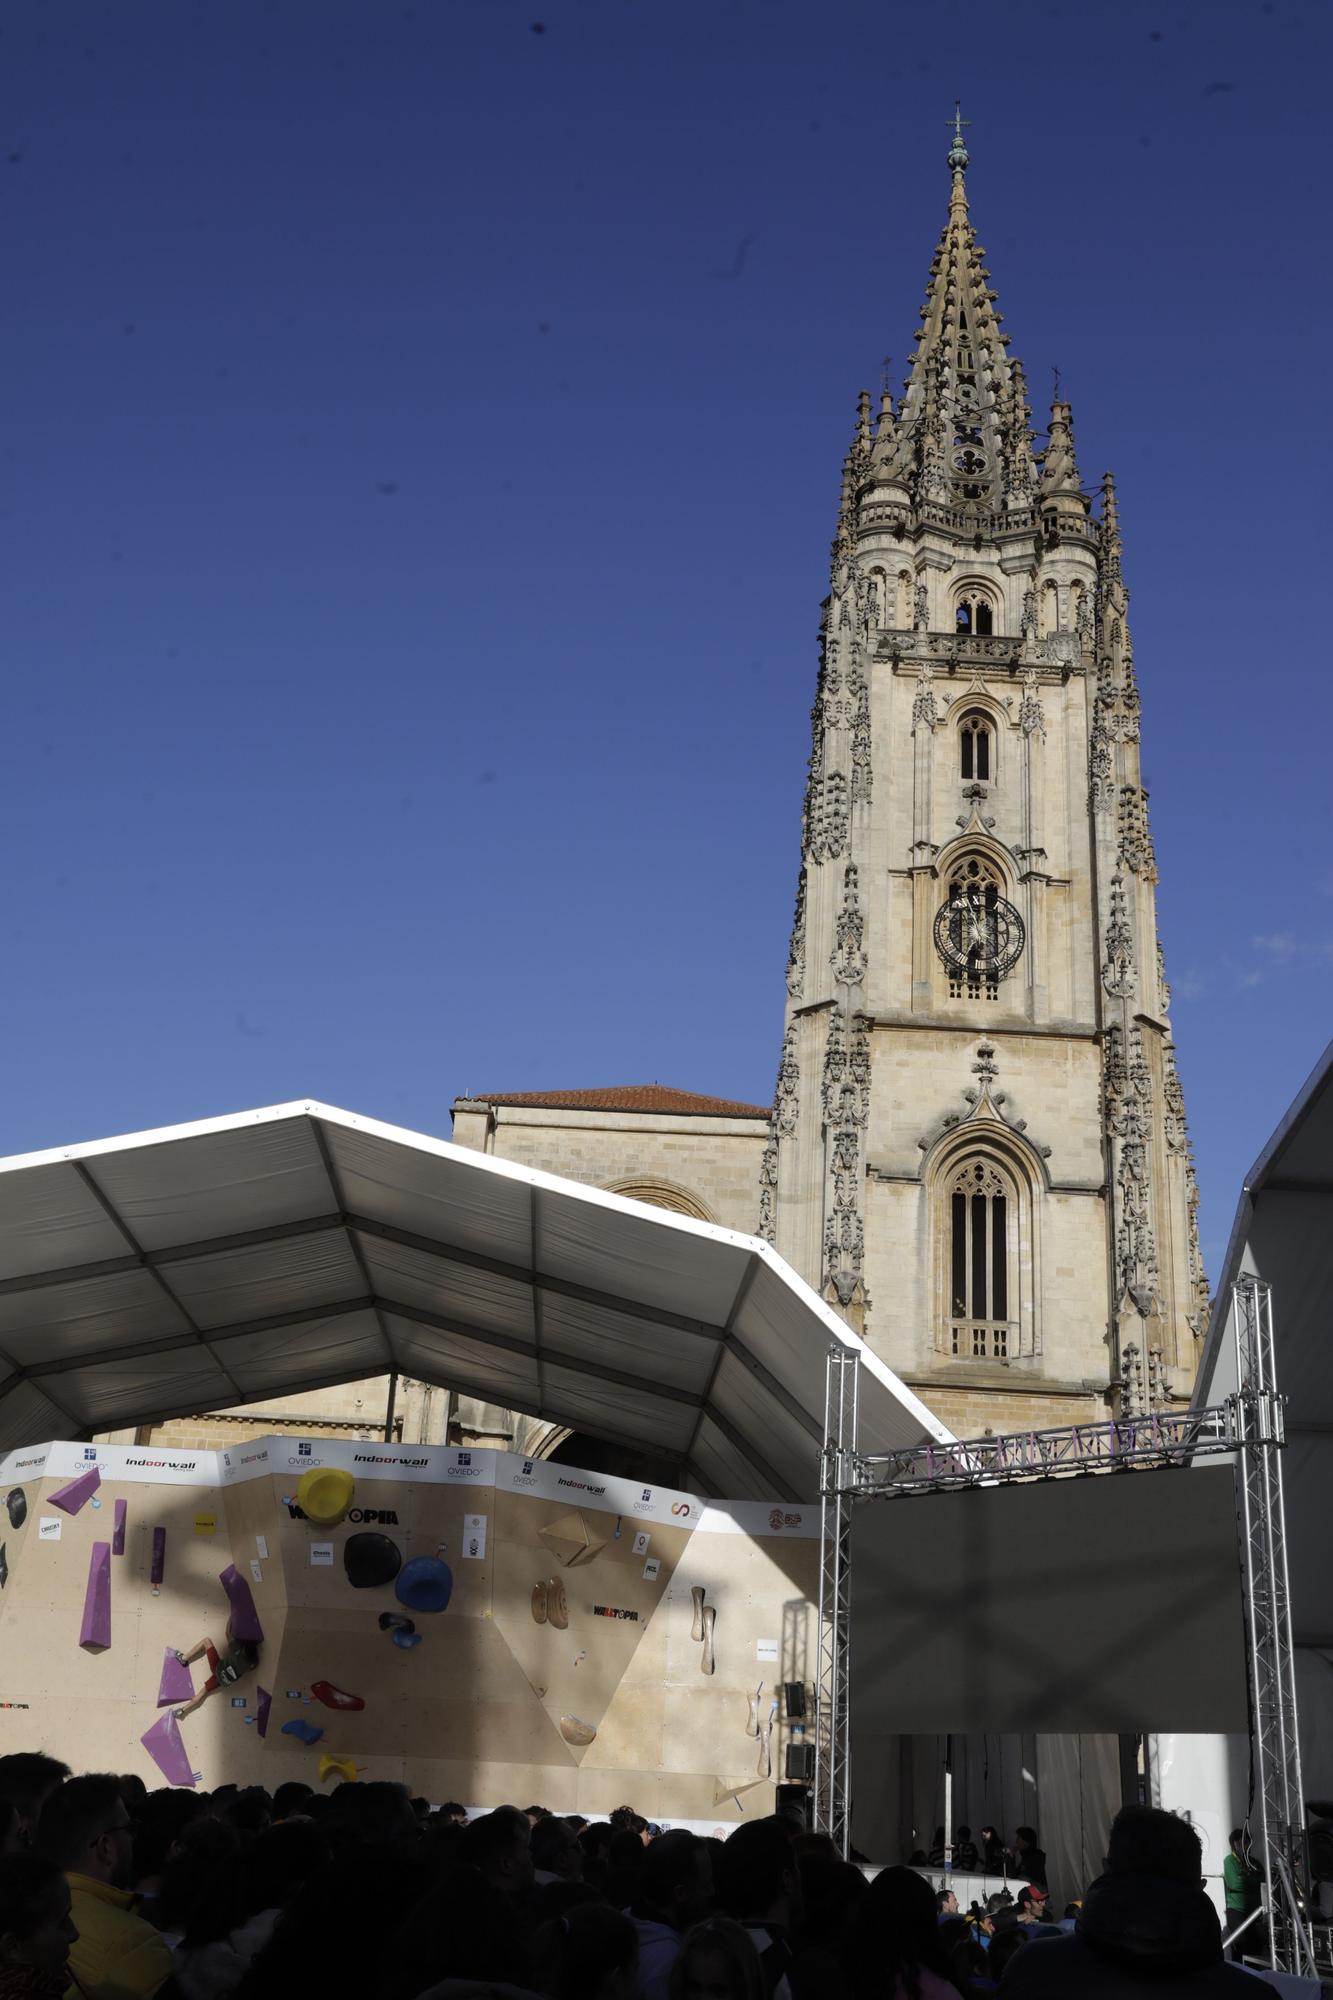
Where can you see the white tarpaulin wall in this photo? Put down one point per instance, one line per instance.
(291, 1248)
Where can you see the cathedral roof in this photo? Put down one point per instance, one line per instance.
(625, 1097)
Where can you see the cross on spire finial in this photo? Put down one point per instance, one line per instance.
(958, 151)
(1055, 378)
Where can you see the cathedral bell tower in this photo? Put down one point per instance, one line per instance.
(978, 1149)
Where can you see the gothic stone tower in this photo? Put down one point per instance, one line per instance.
(978, 1149)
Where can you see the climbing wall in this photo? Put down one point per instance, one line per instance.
(477, 1625)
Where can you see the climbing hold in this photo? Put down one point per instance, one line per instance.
(576, 1732)
(4, 1567)
(335, 1697)
(557, 1603)
(305, 1732)
(95, 1631)
(407, 1637)
(424, 1584)
(539, 1604)
(174, 1683)
(165, 1746)
(263, 1703)
(75, 1492)
(394, 1621)
(118, 1531)
(16, 1505)
(370, 1560)
(244, 1621)
(336, 1767)
(324, 1496)
(159, 1556)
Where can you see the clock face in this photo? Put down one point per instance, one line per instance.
(978, 934)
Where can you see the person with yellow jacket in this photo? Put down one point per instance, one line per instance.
(86, 1830)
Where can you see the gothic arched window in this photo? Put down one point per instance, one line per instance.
(974, 613)
(906, 608)
(1050, 607)
(982, 1235)
(974, 747)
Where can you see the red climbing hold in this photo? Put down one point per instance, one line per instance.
(333, 1697)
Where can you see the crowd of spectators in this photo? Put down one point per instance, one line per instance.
(111, 1892)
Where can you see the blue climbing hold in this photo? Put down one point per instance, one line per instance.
(424, 1584)
(306, 1732)
(407, 1638)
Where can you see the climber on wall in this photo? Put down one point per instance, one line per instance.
(238, 1658)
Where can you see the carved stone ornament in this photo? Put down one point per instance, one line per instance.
(848, 957)
(984, 1102)
(1135, 840)
(786, 1102)
(1118, 972)
(1173, 1102)
(796, 953)
(846, 1094)
(1127, 1111)
(1101, 766)
(924, 714)
(768, 1187)
(862, 775)
(828, 827)
(1031, 720)
(1131, 1381)
(1029, 618)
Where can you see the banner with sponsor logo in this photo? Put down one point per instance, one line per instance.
(411, 1465)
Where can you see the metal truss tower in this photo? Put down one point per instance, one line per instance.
(1247, 1427)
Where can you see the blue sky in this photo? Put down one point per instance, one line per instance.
(421, 442)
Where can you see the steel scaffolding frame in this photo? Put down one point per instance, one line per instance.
(1248, 1426)
(1273, 1720)
(837, 1478)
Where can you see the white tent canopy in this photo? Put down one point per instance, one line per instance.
(241, 1258)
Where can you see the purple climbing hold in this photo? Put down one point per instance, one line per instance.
(263, 1703)
(174, 1684)
(118, 1531)
(159, 1556)
(164, 1745)
(75, 1493)
(96, 1628)
(244, 1618)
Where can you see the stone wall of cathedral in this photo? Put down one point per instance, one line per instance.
(702, 1166)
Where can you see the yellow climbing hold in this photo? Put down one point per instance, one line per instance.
(337, 1767)
(324, 1496)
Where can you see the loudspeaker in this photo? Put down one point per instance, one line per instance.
(800, 1763)
(793, 1799)
(793, 1700)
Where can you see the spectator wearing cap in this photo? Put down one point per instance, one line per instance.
(1032, 1908)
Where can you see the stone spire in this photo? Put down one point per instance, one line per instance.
(1112, 551)
(960, 435)
(1060, 487)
